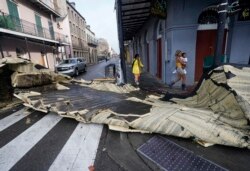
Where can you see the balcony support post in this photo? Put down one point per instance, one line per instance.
(121, 42)
(27, 47)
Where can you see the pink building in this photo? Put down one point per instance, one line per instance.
(34, 29)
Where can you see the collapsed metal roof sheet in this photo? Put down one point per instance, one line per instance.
(217, 113)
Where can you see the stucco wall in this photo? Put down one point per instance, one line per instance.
(240, 48)
(4, 7)
(35, 50)
(184, 39)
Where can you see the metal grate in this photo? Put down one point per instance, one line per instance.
(170, 156)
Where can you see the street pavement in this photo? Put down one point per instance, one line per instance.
(34, 141)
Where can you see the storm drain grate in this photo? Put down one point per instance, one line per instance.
(170, 156)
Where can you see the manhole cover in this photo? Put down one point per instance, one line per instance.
(170, 156)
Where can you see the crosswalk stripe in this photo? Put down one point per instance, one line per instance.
(11, 119)
(12, 152)
(80, 150)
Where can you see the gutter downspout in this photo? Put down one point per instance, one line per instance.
(222, 10)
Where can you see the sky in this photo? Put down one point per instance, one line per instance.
(101, 17)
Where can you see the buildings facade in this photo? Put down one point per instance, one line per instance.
(35, 30)
(92, 45)
(77, 25)
(190, 26)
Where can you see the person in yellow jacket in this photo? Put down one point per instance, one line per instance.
(137, 68)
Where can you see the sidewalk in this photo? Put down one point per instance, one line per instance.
(118, 151)
(152, 84)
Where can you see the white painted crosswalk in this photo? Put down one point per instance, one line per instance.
(13, 118)
(78, 152)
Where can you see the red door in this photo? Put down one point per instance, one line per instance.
(148, 57)
(159, 59)
(205, 46)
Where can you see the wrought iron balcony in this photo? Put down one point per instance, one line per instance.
(92, 42)
(16, 24)
(48, 6)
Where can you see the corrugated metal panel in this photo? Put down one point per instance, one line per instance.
(217, 114)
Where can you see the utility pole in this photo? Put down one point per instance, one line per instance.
(222, 10)
(120, 32)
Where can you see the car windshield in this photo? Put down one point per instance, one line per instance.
(69, 61)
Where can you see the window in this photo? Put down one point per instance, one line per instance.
(39, 25)
(12, 7)
(70, 25)
(51, 30)
(210, 16)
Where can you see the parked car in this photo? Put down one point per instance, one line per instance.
(71, 66)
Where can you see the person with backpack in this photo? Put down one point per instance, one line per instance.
(137, 68)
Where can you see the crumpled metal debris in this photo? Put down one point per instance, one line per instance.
(218, 113)
(27, 74)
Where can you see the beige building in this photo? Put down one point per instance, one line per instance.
(92, 45)
(36, 30)
(77, 25)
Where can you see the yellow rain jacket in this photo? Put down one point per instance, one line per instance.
(137, 65)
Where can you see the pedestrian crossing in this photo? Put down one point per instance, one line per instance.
(13, 118)
(50, 143)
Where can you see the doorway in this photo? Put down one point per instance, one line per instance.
(148, 57)
(205, 48)
(159, 58)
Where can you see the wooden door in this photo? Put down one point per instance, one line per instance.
(205, 46)
(159, 58)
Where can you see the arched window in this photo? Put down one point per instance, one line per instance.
(208, 16)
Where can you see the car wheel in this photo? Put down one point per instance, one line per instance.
(76, 72)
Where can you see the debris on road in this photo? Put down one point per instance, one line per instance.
(217, 113)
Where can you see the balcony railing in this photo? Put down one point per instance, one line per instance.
(48, 5)
(79, 45)
(92, 42)
(15, 24)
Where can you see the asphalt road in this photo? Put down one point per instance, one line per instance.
(36, 141)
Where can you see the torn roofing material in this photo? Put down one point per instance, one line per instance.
(27, 74)
(218, 113)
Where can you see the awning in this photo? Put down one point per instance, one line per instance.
(134, 14)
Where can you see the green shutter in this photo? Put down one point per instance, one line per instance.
(14, 16)
(39, 26)
(12, 9)
(51, 30)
